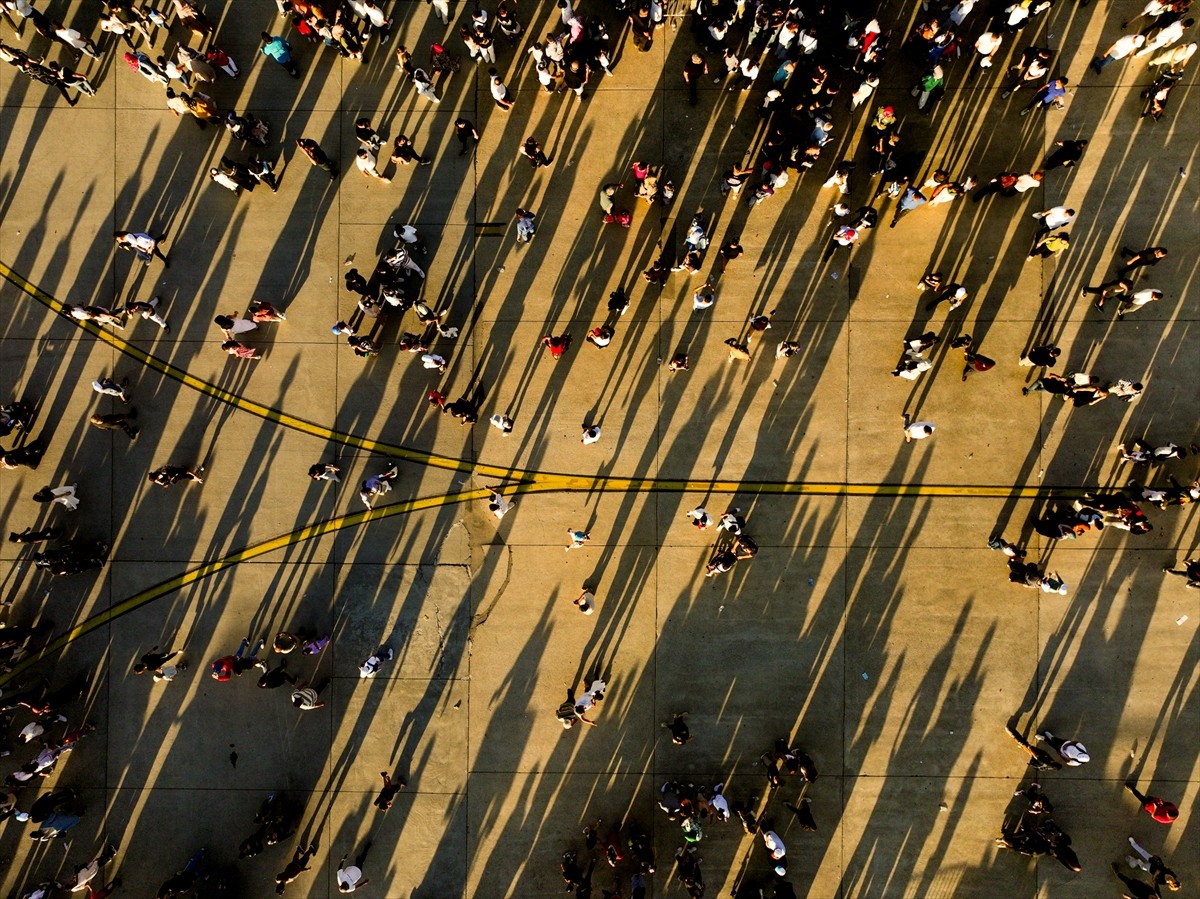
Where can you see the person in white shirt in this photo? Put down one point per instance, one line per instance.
(1166, 37)
(913, 366)
(774, 845)
(1151, 10)
(916, 430)
(500, 91)
(591, 434)
(1138, 300)
(586, 601)
(1055, 217)
(424, 86)
(498, 505)
(986, 46)
(141, 244)
(80, 44)
(350, 877)
(370, 668)
(1122, 47)
(1028, 181)
(366, 164)
(1072, 752)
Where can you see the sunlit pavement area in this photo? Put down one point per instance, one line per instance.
(875, 628)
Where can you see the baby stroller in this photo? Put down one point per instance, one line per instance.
(441, 59)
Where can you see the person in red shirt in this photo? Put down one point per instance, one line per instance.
(557, 345)
(1157, 808)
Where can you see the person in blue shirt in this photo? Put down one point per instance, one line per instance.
(1050, 93)
(280, 51)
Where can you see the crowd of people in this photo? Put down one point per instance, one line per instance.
(811, 69)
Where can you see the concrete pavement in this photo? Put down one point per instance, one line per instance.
(875, 630)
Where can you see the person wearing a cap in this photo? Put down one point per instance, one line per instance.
(1159, 809)
(1072, 752)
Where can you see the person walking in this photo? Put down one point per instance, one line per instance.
(142, 245)
(366, 163)
(317, 156)
(694, 70)
(1069, 152)
(500, 91)
(557, 344)
(1118, 288)
(1072, 752)
(109, 387)
(306, 697)
(1050, 244)
(76, 42)
(1190, 570)
(1054, 217)
(387, 793)
(120, 421)
(526, 224)
(325, 471)
(533, 151)
(378, 485)
(1052, 93)
(281, 51)
(64, 496)
(148, 310)
(917, 430)
(404, 153)
(578, 539)
(466, 134)
(350, 877)
(152, 659)
(1154, 866)
(1039, 759)
(68, 77)
(1150, 256)
(263, 172)
(586, 601)
(297, 866)
(240, 350)
(167, 475)
(1156, 807)
(1044, 356)
(424, 85)
(498, 504)
(1137, 300)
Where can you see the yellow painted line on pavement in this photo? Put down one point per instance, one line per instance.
(238, 402)
(246, 554)
(515, 481)
(530, 481)
(546, 484)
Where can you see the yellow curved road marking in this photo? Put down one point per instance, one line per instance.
(208, 569)
(238, 402)
(531, 481)
(517, 481)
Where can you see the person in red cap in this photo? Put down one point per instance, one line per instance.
(1157, 808)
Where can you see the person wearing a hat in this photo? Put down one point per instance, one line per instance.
(1072, 752)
